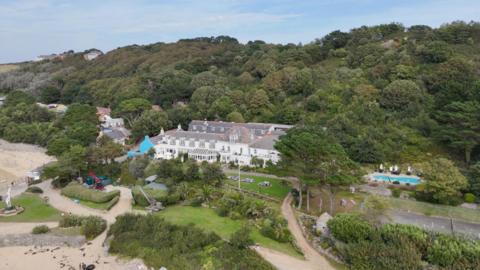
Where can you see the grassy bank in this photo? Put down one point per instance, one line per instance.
(36, 210)
(207, 219)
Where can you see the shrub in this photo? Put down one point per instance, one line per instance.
(350, 228)
(376, 255)
(34, 189)
(396, 192)
(40, 229)
(90, 226)
(395, 233)
(396, 182)
(276, 229)
(454, 253)
(196, 202)
(77, 191)
(241, 238)
(60, 182)
(469, 198)
(160, 243)
(70, 221)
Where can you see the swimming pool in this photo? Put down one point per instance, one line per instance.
(402, 179)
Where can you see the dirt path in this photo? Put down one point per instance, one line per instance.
(313, 259)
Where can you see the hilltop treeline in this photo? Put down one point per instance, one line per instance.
(387, 92)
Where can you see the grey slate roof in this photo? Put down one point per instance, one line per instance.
(266, 142)
(116, 133)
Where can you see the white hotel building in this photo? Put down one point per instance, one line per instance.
(221, 141)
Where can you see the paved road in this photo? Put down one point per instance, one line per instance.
(437, 224)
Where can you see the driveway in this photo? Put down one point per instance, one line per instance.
(437, 224)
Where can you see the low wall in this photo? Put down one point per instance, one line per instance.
(28, 239)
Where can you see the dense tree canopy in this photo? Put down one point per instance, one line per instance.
(386, 93)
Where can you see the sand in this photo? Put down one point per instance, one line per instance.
(17, 159)
(33, 258)
(39, 258)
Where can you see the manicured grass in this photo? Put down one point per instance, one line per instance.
(100, 206)
(36, 210)
(207, 219)
(429, 209)
(278, 188)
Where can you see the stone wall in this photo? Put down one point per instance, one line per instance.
(41, 240)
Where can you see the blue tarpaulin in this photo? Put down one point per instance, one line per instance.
(144, 147)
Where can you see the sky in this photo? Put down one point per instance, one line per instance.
(33, 27)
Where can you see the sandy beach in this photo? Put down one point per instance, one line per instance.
(16, 159)
(30, 258)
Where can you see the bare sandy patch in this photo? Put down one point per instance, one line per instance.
(16, 159)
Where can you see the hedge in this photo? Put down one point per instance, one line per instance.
(77, 191)
(112, 202)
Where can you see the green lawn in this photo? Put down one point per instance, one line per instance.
(207, 219)
(36, 210)
(277, 189)
(430, 209)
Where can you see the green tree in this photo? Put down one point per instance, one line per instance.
(204, 97)
(50, 94)
(460, 126)
(192, 172)
(403, 96)
(82, 132)
(132, 109)
(60, 145)
(443, 181)
(105, 151)
(150, 123)
(17, 97)
(435, 52)
(315, 157)
(212, 173)
(80, 112)
(235, 117)
(221, 108)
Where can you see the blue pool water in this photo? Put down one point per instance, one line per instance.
(412, 180)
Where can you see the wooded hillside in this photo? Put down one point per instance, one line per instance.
(387, 92)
